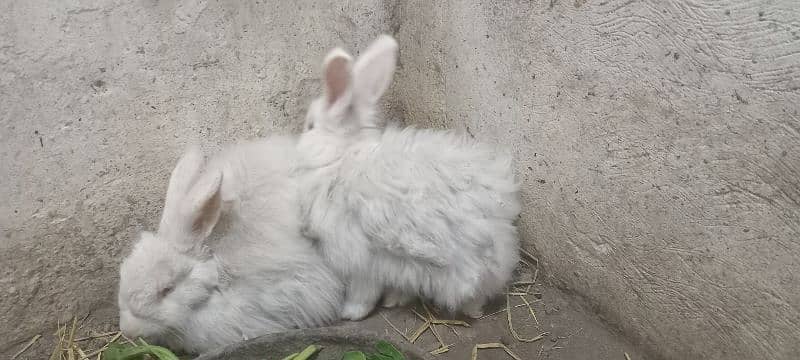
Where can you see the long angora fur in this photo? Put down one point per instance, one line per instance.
(408, 212)
(228, 261)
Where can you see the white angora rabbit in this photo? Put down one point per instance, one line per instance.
(228, 261)
(403, 212)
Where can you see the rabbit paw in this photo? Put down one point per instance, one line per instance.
(355, 311)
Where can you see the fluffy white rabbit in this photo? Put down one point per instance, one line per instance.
(404, 212)
(228, 261)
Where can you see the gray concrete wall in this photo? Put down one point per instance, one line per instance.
(658, 146)
(657, 141)
(98, 99)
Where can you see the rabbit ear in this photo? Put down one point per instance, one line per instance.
(372, 73)
(337, 71)
(182, 178)
(203, 205)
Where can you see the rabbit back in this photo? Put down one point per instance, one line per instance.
(426, 211)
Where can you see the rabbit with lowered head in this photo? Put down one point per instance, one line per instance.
(402, 212)
(228, 261)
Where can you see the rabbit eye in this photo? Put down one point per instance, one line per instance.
(310, 126)
(165, 291)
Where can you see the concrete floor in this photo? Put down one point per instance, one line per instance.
(573, 332)
(570, 330)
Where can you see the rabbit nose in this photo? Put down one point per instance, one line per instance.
(129, 325)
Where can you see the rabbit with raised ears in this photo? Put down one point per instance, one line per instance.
(228, 261)
(402, 212)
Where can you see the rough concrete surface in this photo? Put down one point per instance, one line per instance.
(658, 148)
(657, 141)
(98, 100)
(569, 331)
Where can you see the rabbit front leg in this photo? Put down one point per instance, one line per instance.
(362, 295)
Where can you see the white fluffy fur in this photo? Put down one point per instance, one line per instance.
(252, 275)
(407, 212)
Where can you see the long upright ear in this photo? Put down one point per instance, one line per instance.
(182, 178)
(203, 205)
(372, 73)
(337, 69)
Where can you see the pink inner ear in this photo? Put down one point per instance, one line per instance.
(337, 78)
(208, 216)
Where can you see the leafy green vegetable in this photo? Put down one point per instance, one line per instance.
(387, 349)
(305, 354)
(354, 355)
(372, 356)
(291, 357)
(116, 351)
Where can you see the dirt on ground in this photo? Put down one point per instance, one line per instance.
(568, 331)
(549, 324)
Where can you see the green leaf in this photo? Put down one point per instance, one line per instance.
(354, 355)
(387, 349)
(116, 351)
(372, 356)
(291, 357)
(305, 354)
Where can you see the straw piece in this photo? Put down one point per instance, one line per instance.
(129, 341)
(96, 336)
(394, 327)
(70, 351)
(519, 283)
(500, 311)
(57, 350)
(100, 350)
(436, 335)
(419, 315)
(530, 308)
(529, 256)
(511, 326)
(27, 346)
(450, 322)
(433, 328)
(419, 332)
(79, 351)
(441, 350)
(493, 346)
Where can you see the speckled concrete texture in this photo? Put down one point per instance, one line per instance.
(657, 141)
(658, 146)
(98, 100)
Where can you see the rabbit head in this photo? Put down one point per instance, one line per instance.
(169, 273)
(352, 90)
